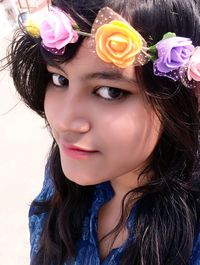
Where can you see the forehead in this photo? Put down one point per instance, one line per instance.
(87, 61)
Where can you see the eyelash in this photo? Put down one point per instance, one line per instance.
(122, 93)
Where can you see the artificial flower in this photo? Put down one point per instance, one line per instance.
(172, 53)
(57, 30)
(118, 43)
(193, 71)
(32, 28)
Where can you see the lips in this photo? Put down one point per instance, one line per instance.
(77, 152)
(80, 149)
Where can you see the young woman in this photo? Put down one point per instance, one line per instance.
(117, 83)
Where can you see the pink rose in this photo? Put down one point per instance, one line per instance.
(193, 71)
(57, 30)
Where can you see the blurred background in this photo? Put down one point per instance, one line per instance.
(24, 145)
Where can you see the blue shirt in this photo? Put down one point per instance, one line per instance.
(87, 247)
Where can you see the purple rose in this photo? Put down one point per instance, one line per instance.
(172, 53)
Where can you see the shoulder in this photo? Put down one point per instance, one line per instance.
(36, 220)
(47, 189)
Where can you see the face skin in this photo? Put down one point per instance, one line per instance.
(124, 130)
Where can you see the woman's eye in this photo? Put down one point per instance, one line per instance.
(59, 80)
(111, 93)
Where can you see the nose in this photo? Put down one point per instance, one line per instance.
(73, 115)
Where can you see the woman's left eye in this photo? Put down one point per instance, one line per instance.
(59, 80)
(111, 93)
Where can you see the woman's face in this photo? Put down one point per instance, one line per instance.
(94, 106)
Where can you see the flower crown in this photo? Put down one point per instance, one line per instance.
(117, 42)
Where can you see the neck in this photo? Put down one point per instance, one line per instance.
(123, 184)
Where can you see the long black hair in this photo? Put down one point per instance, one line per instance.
(167, 216)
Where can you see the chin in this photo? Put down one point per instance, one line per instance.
(82, 181)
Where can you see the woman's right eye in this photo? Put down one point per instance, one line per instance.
(59, 80)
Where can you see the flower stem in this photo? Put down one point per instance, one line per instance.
(84, 33)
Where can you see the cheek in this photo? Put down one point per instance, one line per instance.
(131, 139)
(47, 106)
(50, 110)
(50, 107)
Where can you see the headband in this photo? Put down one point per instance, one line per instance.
(117, 42)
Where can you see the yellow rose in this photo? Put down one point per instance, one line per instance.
(118, 43)
(32, 28)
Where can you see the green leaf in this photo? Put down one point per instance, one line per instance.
(152, 51)
(168, 35)
(75, 26)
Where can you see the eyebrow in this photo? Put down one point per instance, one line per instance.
(109, 75)
(106, 75)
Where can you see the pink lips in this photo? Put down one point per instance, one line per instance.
(76, 152)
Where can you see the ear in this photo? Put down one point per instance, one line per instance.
(197, 94)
